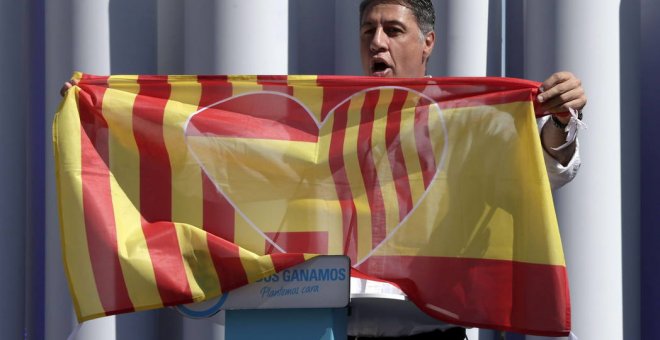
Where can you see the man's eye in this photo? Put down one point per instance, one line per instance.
(393, 31)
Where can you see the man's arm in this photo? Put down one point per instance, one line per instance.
(560, 92)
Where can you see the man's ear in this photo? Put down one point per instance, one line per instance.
(429, 41)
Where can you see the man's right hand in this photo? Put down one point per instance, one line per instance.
(67, 86)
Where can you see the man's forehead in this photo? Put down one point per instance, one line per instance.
(391, 12)
(385, 2)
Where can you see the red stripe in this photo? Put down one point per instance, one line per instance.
(227, 262)
(456, 91)
(368, 168)
(156, 191)
(97, 203)
(284, 261)
(275, 83)
(334, 91)
(259, 115)
(507, 295)
(395, 153)
(342, 185)
(218, 214)
(423, 142)
(311, 242)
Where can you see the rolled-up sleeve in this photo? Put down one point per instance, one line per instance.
(559, 174)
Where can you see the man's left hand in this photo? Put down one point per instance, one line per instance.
(561, 91)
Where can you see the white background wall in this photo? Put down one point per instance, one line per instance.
(608, 219)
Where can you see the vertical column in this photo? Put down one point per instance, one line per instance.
(233, 37)
(539, 39)
(58, 314)
(589, 208)
(650, 169)
(592, 232)
(13, 24)
(466, 48)
(236, 37)
(437, 63)
(170, 24)
(77, 38)
(90, 36)
(199, 37)
(35, 134)
(347, 39)
(311, 21)
(133, 36)
(630, 43)
(255, 36)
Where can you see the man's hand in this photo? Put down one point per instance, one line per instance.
(561, 91)
(67, 86)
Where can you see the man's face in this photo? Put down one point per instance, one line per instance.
(391, 44)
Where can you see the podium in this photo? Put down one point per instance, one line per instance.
(307, 301)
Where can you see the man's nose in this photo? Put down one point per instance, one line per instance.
(378, 41)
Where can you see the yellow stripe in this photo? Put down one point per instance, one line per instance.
(247, 237)
(382, 161)
(256, 266)
(187, 188)
(354, 173)
(332, 208)
(309, 256)
(409, 147)
(187, 194)
(306, 90)
(243, 84)
(197, 261)
(77, 262)
(436, 132)
(125, 190)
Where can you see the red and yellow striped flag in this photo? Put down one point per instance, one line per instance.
(175, 189)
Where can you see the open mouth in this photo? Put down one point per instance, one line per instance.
(380, 68)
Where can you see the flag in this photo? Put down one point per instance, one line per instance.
(175, 189)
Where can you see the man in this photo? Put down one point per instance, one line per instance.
(396, 40)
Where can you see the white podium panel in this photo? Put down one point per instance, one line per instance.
(322, 282)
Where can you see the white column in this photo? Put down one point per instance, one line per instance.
(255, 36)
(466, 48)
(233, 37)
(91, 36)
(13, 21)
(589, 208)
(237, 36)
(77, 38)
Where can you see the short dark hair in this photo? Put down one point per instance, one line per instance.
(422, 10)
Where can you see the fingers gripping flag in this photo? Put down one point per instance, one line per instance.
(174, 189)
